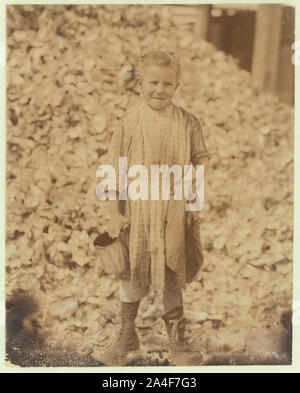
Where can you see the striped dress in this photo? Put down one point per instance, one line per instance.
(156, 240)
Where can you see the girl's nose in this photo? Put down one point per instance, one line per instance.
(159, 89)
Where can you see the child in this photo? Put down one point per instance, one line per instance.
(155, 132)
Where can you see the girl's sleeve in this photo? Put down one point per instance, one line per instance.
(199, 153)
(119, 147)
(119, 144)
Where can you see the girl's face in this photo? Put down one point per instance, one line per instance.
(158, 86)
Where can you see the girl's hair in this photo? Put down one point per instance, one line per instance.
(155, 58)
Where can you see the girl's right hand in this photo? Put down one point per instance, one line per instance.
(116, 223)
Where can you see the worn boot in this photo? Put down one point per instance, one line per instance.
(126, 347)
(181, 354)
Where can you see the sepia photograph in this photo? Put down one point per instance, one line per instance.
(149, 185)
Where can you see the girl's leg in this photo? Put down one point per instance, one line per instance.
(127, 345)
(129, 295)
(173, 316)
(175, 322)
(173, 301)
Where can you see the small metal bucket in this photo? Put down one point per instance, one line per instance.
(111, 253)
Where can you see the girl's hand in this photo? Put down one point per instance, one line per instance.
(116, 223)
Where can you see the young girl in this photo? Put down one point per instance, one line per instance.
(156, 132)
